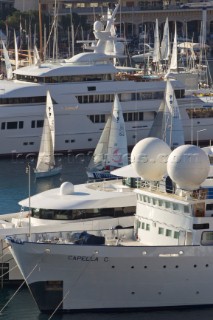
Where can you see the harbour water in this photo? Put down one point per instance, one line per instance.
(14, 186)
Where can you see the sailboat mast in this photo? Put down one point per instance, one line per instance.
(40, 30)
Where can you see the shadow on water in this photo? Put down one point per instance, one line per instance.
(23, 307)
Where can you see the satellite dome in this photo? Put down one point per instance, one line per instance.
(188, 166)
(98, 26)
(149, 158)
(66, 188)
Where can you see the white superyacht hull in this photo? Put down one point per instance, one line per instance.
(83, 277)
(75, 128)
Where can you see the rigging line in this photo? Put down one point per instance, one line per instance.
(65, 296)
(18, 288)
(8, 271)
(76, 280)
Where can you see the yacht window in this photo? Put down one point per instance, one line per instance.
(140, 116)
(130, 117)
(143, 225)
(186, 209)
(175, 206)
(137, 224)
(160, 230)
(39, 123)
(176, 234)
(31, 143)
(25, 143)
(148, 199)
(12, 125)
(154, 201)
(102, 118)
(97, 118)
(160, 202)
(207, 238)
(209, 206)
(199, 226)
(3, 126)
(72, 141)
(67, 141)
(168, 233)
(91, 88)
(21, 124)
(82, 214)
(167, 204)
(90, 139)
(148, 227)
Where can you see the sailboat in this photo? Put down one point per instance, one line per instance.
(46, 161)
(168, 123)
(111, 151)
(165, 45)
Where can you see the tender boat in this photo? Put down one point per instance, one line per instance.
(166, 262)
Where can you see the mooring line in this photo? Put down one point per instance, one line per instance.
(65, 296)
(18, 288)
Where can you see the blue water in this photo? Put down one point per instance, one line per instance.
(14, 186)
(14, 181)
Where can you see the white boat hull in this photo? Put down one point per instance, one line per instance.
(116, 277)
(49, 173)
(69, 113)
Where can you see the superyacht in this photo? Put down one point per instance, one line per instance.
(166, 262)
(83, 89)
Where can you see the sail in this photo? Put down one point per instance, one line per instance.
(37, 60)
(98, 159)
(111, 150)
(46, 153)
(156, 52)
(117, 155)
(165, 44)
(8, 65)
(16, 50)
(173, 63)
(168, 124)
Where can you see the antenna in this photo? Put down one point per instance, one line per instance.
(28, 171)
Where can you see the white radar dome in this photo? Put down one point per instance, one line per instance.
(66, 188)
(149, 158)
(188, 166)
(98, 26)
